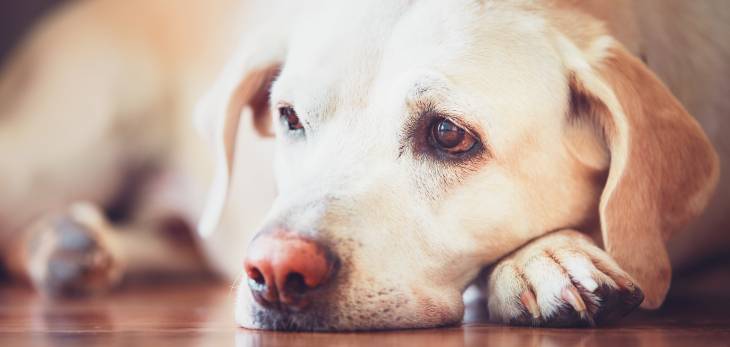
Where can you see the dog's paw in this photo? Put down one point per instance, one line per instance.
(560, 280)
(71, 255)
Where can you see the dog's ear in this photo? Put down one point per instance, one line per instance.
(661, 167)
(241, 95)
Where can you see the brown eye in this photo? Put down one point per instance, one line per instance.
(291, 118)
(450, 137)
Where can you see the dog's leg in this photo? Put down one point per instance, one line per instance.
(73, 127)
(78, 252)
(561, 279)
(54, 152)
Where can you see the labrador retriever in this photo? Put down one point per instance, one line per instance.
(414, 145)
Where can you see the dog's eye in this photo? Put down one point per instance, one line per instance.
(290, 116)
(450, 137)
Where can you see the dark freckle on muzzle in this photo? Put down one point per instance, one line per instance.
(286, 271)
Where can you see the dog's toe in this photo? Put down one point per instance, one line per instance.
(70, 255)
(73, 236)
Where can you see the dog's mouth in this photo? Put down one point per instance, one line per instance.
(357, 315)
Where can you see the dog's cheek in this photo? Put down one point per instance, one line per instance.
(487, 217)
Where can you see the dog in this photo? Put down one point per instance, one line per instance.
(371, 160)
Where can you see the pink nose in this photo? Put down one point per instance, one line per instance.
(284, 269)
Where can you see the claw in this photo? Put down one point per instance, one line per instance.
(572, 296)
(529, 301)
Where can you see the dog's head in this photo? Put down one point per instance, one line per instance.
(418, 142)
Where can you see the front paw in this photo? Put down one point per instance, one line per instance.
(71, 255)
(561, 280)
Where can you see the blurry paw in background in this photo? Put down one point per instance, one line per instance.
(71, 254)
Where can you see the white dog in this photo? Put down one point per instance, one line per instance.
(417, 143)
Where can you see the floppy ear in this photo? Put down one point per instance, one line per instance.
(662, 167)
(219, 115)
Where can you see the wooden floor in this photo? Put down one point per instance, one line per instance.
(201, 315)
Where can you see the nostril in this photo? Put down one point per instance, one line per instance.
(256, 278)
(295, 284)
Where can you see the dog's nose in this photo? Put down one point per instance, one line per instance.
(284, 269)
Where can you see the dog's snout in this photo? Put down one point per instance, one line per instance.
(284, 269)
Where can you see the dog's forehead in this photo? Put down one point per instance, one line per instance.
(346, 46)
(496, 51)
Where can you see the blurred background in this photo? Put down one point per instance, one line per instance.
(16, 19)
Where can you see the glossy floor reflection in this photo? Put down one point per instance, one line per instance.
(201, 315)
